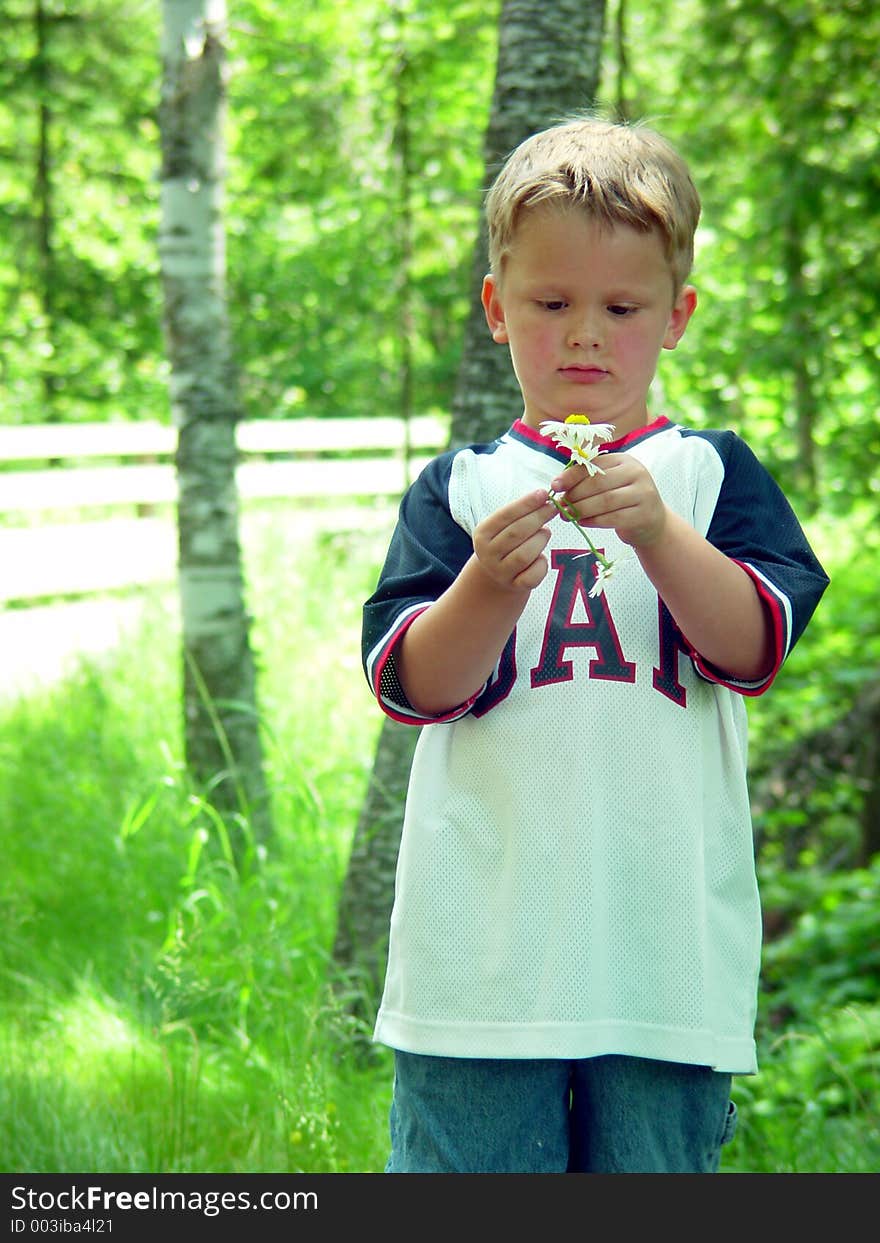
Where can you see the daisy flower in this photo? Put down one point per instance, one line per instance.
(582, 439)
(603, 573)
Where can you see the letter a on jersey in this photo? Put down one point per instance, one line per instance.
(575, 574)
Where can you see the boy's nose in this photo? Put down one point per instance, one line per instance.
(585, 333)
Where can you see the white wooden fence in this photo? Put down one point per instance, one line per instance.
(88, 507)
(120, 464)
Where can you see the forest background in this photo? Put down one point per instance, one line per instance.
(166, 1006)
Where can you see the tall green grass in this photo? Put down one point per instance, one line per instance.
(163, 1010)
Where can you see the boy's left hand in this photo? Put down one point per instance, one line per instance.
(623, 497)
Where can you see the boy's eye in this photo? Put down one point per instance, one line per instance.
(617, 308)
(553, 304)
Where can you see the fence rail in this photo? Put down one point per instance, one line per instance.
(86, 508)
(97, 465)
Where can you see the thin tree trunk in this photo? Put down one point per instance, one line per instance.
(806, 405)
(548, 66)
(45, 217)
(223, 744)
(869, 846)
(620, 43)
(368, 892)
(401, 142)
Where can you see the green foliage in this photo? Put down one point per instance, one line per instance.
(811, 765)
(79, 295)
(814, 1105)
(312, 215)
(830, 923)
(775, 106)
(316, 253)
(163, 1008)
(773, 103)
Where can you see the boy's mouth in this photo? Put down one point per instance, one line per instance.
(583, 375)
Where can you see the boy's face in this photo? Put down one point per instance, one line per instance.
(586, 310)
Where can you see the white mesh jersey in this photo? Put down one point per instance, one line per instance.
(576, 872)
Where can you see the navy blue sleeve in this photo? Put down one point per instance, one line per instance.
(754, 524)
(426, 554)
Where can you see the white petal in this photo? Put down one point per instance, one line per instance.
(602, 431)
(603, 573)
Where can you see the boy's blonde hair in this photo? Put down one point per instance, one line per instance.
(619, 173)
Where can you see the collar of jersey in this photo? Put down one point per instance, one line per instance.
(545, 444)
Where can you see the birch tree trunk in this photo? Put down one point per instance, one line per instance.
(548, 66)
(42, 71)
(223, 744)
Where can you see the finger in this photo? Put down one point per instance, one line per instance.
(533, 574)
(586, 493)
(526, 566)
(516, 559)
(576, 474)
(506, 538)
(606, 509)
(570, 477)
(535, 504)
(618, 478)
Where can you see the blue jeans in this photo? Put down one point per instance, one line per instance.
(601, 1115)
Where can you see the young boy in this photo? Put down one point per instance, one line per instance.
(576, 932)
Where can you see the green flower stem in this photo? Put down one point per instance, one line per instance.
(571, 513)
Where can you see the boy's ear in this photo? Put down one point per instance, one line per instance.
(682, 309)
(494, 310)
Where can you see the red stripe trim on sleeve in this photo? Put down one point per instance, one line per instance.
(777, 618)
(397, 713)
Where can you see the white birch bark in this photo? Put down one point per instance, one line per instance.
(223, 745)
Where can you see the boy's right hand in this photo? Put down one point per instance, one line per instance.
(509, 543)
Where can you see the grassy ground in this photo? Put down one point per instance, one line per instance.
(161, 1011)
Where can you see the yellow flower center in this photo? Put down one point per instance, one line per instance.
(577, 418)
